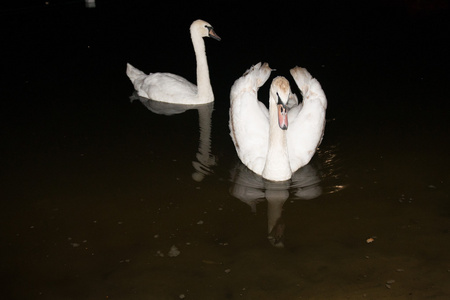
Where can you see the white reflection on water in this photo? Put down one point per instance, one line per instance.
(306, 184)
(251, 188)
(205, 160)
(89, 3)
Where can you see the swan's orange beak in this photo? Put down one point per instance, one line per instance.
(282, 116)
(213, 34)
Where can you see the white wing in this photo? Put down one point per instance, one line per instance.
(249, 118)
(306, 122)
(169, 87)
(164, 87)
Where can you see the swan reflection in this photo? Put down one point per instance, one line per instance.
(205, 160)
(89, 3)
(252, 188)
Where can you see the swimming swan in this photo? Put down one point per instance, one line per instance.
(265, 141)
(171, 88)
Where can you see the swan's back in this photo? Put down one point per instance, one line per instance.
(158, 86)
(169, 86)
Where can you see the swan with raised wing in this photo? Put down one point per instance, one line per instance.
(276, 142)
(171, 88)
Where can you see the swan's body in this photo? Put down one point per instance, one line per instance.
(171, 88)
(275, 143)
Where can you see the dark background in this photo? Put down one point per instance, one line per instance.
(361, 43)
(74, 150)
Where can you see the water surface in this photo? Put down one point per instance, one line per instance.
(106, 195)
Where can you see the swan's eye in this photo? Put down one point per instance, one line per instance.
(211, 33)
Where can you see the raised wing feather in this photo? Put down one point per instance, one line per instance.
(306, 123)
(249, 121)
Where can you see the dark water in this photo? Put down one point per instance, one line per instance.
(107, 197)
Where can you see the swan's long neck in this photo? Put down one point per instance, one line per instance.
(277, 165)
(205, 93)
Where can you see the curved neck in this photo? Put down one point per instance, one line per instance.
(205, 93)
(277, 165)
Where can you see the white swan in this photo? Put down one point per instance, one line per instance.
(265, 141)
(171, 88)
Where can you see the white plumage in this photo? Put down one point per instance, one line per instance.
(275, 143)
(171, 88)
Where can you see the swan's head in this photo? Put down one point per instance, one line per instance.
(280, 91)
(204, 29)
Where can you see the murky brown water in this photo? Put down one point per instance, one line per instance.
(107, 197)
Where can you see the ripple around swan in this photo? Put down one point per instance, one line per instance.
(331, 166)
(321, 175)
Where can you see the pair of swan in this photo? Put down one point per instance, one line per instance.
(272, 143)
